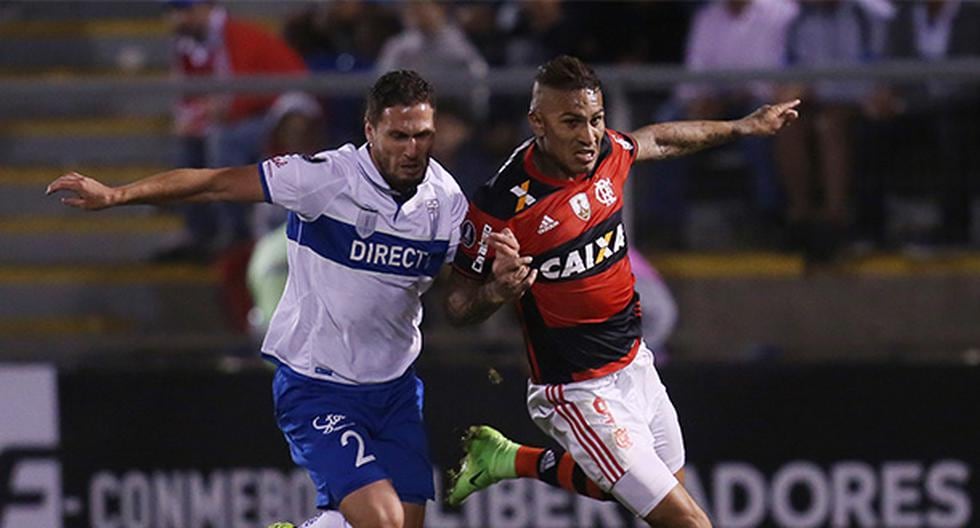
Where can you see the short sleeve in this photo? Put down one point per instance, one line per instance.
(625, 143)
(304, 184)
(457, 214)
(475, 256)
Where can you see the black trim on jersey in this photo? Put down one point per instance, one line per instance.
(495, 197)
(562, 352)
(583, 243)
(605, 149)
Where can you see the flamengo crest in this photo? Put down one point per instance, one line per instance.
(604, 192)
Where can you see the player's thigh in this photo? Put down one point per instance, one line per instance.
(330, 436)
(677, 510)
(646, 394)
(414, 515)
(403, 446)
(610, 440)
(373, 505)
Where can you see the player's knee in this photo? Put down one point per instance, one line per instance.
(379, 516)
(678, 514)
(373, 506)
(684, 520)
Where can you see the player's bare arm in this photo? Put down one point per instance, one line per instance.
(471, 301)
(670, 140)
(238, 184)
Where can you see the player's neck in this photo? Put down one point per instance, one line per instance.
(546, 164)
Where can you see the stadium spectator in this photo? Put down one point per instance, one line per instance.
(457, 148)
(219, 129)
(826, 33)
(933, 126)
(345, 335)
(341, 36)
(538, 30)
(727, 35)
(295, 126)
(432, 43)
(547, 234)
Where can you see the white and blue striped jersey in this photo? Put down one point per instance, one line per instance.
(358, 263)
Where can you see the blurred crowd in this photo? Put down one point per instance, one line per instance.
(841, 180)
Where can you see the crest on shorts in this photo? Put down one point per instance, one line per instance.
(622, 436)
(367, 221)
(580, 206)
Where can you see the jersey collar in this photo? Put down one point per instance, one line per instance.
(373, 176)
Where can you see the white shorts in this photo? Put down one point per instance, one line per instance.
(621, 429)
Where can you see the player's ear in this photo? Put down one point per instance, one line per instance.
(369, 131)
(537, 125)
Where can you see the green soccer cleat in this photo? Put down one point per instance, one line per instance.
(489, 459)
(282, 525)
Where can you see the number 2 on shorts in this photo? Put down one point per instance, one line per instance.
(361, 459)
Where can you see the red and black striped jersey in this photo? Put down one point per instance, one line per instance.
(581, 318)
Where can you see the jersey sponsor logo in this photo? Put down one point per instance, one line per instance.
(330, 423)
(622, 141)
(388, 255)
(481, 252)
(280, 161)
(339, 242)
(604, 192)
(524, 198)
(547, 224)
(584, 258)
(580, 206)
(467, 234)
(367, 222)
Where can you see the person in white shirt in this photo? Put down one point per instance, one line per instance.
(369, 229)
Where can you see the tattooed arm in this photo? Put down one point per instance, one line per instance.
(679, 138)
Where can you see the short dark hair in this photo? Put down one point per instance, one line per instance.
(399, 87)
(567, 73)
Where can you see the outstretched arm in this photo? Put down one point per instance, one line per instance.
(471, 301)
(670, 140)
(238, 184)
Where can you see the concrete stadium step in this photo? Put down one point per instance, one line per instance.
(113, 147)
(148, 295)
(89, 106)
(125, 45)
(81, 309)
(85, 238)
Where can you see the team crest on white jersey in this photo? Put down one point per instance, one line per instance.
(547, 224)
(367, 221)
(524, 198)
(604, 192)
(580, 206)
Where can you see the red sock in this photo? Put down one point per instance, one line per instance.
(556, 467)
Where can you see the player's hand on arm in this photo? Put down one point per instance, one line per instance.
(670, 140)
(89, 193)
(238, 184)
(768, 119)
(472, 301)
(512, 273)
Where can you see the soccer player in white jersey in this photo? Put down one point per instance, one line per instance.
(369, 229)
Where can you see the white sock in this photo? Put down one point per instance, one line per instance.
(327, 519)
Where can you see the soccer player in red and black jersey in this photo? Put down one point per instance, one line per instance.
(547, 233)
